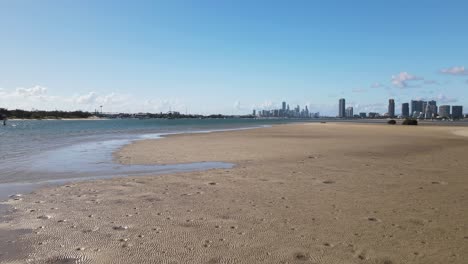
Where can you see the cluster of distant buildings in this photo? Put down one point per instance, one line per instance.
(419, 109)
(286, 112)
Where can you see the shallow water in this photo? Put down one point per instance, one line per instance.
(38, 153)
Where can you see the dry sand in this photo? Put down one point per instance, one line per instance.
(304, 193)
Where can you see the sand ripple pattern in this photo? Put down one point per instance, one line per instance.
(326, 198)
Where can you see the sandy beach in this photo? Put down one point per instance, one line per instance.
(300, 193)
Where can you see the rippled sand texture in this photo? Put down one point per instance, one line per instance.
(317, 193)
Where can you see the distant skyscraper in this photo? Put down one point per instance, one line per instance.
(430, 109)
(362, 115)
(341, 108)
(391, 108)
(413, 106)
(424, 108)
(444, 111)
(284, 106)
(457, 111)
(405, 110)
(433, 107)
(254, 113)
(416, 107)
(349, 112)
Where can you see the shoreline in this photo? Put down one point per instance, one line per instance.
(59, 119)
(298, 192)
(26, 187)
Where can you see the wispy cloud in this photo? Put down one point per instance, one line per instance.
(35, 93)
(38, 97)
(163, 105)
(377, 85)
(88, 98)
(442, 98)
(26, 98)
(431, 82)
(378, 108)
(237, 105)
(456, 70)
(266, 105)
(359, 90)
(403, 79)
(31, 92)
(94, 99)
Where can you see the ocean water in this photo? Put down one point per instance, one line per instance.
(41, 152)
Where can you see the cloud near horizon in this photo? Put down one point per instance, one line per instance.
(442, 98)
(377, 108)
(431, 82)
(266, 105)
(456, 70)
(31, 92)
(37, 97)
(403, 79)
(377, 85)
(359, 90)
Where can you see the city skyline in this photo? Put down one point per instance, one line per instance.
(420, 109)
(230, 58)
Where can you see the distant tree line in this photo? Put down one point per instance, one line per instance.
(39, 114)
(169, 115)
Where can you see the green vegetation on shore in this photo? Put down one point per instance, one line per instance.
(38, 114)
(410, 122)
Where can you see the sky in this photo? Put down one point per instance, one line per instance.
(230, 57)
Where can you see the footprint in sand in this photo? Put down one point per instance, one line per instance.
(44, 217)
(302, 256)
(66, 260)
(439, 182)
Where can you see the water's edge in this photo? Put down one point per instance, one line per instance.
(115, 168)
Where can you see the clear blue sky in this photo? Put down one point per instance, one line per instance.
(231, 56)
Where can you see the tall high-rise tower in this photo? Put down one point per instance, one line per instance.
(416, 107)
(349, 112)
(342, 108)
(391, 108)
(457, 111)
(405, 110)
(444, 111)
(433, 107)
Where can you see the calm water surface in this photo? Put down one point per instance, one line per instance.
(40, 152)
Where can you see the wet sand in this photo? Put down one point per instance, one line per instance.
(302, 193)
